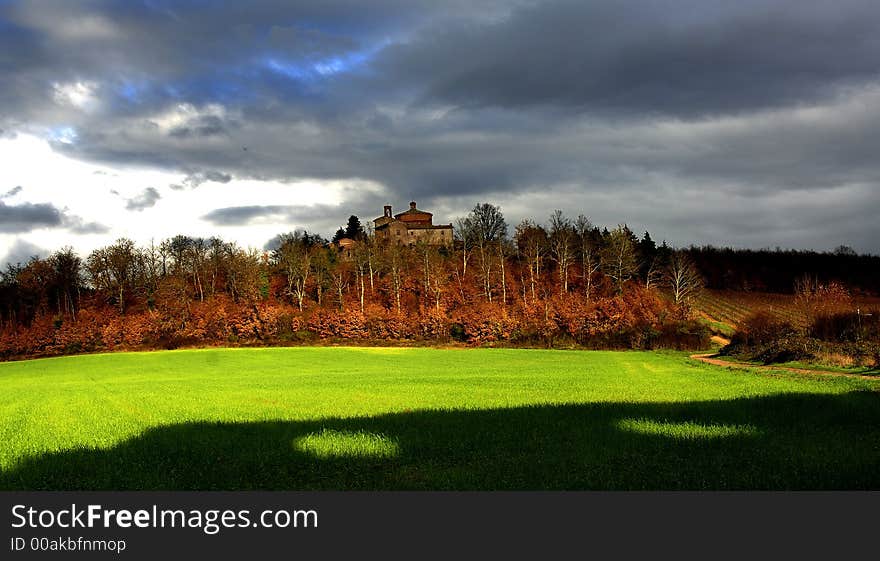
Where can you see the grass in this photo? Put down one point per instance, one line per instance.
(419, 418)
(719, 328)
(820, 367)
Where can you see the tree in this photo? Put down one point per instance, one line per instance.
(683, 278)
(814, 298)
(485, 225)
(505, 249)
(650, 266)
(438, 276)
(394, 261)
(294, 256)
(619, 258)
(154, 269)
(532, 243)
(354, 230)
(321, 272)
(340, 275)
(588, 240)
(66, 280)
(363, 255)
(464, 241)
(115, 269)
(562, 237)
(244, 273)
(29, 283)
(425, 252)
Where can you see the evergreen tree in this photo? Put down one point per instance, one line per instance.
(354, 230)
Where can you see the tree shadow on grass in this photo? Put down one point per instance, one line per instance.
(787, 441)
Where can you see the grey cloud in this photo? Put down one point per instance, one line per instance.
(203, 126)
(196, 179)
(686, 58)
(12, 192)
(77, 225)
(648, 112)
(148, 198)
(25, 217)
(273, 243)
(243, 215)
(21, 252)
(135, 48)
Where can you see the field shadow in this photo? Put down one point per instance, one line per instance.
(786, 441)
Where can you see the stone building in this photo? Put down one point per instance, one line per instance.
(410, 227)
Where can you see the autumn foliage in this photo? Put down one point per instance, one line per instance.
(544, 288)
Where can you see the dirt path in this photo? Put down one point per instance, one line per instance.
(711, 358)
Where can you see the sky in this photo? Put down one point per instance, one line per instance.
(749, 124)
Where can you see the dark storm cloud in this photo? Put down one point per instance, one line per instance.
(244, 215)
(145, 54)
(685, 58)
(620, 109)
(146, 199)
(25, 217)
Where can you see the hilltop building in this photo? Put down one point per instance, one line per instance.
(411, 226)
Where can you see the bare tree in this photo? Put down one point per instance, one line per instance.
(619, 259)
(504, 249)
(653, 273)
(683, 278)
(115, 269)
(363, 255)
(464, 243)
(394, 260)
(486, 226)
(532, 243)
(294, 255)
(589, 252)
(562, 237)
(340, 275)
(438, 276)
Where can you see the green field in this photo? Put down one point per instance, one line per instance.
(394, 418)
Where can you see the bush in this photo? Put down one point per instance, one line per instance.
(682, 335)
(760, 329)
(847, 327)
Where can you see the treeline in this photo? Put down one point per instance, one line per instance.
(562, 282)
(778, 270)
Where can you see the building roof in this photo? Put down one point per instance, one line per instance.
(412, 211)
